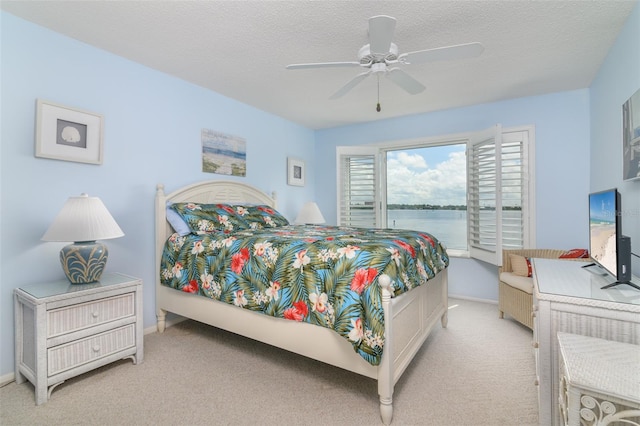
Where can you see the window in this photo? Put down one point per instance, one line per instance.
(426, 189)
(498, 202)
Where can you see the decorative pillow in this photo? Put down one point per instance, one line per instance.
(260, 216)
(206, 218)
(521, 265)
(176, 222)
(575, 254)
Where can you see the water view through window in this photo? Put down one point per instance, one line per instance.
(427, 191)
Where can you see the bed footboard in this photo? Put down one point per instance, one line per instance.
(409, 320)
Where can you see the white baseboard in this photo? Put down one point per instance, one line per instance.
(473, 299)
(7, 378)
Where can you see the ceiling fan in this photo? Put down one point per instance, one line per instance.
(381, 56)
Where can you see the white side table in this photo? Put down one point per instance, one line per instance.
(63, 330)
(599, 381)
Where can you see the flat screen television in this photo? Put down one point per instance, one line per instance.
(608, 247)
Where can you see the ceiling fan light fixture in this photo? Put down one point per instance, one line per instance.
(366, 57)
(378, 67)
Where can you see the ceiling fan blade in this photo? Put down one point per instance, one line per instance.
(350, 85)
(381, 29)
(460, 51)
(323, 65)
(404, 80)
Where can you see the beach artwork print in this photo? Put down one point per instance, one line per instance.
(223, 154)
(603, 229)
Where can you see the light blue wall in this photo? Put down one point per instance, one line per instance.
(617, 80)
(151, 135)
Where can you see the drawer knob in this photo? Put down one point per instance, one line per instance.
(534, 344)
(96, 348)
(95, 314)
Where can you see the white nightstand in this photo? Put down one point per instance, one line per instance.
(63, 330)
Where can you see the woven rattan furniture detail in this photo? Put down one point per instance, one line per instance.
(599, 380)
(516, 303)
(512, 301)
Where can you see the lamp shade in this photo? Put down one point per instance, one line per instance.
(310, 214)
(83, 218)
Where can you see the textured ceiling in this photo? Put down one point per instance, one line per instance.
(240, 48)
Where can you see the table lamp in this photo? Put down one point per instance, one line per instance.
(309, 214)
(83, 220)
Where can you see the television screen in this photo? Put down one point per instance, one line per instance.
(604, 229)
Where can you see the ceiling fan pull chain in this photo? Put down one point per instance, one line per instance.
(378, 106)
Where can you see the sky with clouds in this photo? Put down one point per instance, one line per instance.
(434, 175)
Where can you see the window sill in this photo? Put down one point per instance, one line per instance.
(464, 254)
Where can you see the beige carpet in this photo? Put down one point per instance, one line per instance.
(477, 371)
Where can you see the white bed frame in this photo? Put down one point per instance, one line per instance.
(409, 318)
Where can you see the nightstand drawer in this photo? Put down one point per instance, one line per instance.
(74, 354)
(76, 317)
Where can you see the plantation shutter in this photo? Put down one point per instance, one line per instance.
(358, 186)
(515, 190)
(484, 201)
(500, 197)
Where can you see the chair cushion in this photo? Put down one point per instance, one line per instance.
(517, 281)
(520, 265)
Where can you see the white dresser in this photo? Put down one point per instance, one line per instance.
(63, 330)
(568, 298)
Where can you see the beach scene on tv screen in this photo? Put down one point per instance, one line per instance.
(602, 226)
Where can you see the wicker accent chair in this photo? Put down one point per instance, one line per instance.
(515, 293)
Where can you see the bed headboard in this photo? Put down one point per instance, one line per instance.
(208, 192)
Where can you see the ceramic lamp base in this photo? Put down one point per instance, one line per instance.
(84, 262)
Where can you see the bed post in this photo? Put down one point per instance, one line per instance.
(386, 380)
(444, 319)
(161, 223)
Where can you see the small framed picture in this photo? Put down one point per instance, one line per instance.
(68, 134)
(295, 171)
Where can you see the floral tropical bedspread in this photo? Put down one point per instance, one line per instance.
(327, 276)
